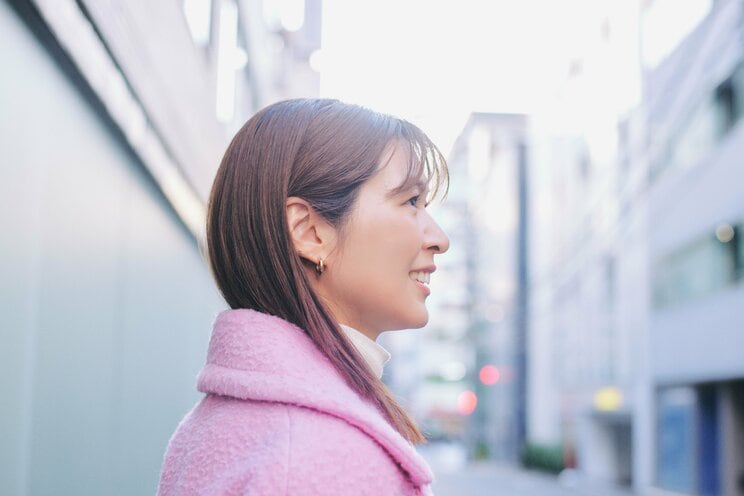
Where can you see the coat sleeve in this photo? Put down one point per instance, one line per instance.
(329, 456)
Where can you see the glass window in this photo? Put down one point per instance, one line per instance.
(738, 85)
(675, 442)
(698, 269)
(696, 137)
(738, 248)
(705, 125)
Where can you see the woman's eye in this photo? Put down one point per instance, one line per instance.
(413, 201)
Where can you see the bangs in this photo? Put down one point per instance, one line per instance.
(426, 164)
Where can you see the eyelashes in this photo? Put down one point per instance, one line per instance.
(414, 201)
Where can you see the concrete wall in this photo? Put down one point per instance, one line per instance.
(105, 300)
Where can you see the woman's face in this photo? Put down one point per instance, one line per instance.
(377, 276)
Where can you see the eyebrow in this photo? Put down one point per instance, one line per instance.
(422, 186)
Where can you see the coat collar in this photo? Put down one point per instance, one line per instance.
(257, 356)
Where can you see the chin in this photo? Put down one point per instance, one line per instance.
(410, 319)
(419, 320)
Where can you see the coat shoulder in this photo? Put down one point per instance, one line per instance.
(231, 446)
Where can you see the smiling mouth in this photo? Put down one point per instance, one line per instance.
(422, 277)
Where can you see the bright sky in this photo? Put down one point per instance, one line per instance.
(435, 61)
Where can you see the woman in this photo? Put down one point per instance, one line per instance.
(319, 240)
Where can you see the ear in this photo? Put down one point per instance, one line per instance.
(312, 236)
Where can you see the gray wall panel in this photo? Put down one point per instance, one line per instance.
(106, 303)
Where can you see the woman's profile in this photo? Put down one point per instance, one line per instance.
(319, 240)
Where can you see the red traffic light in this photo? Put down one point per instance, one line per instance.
(489, 375)
(466, 402)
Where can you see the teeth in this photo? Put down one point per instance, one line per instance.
(422, 277)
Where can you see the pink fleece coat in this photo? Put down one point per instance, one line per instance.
(278, 419)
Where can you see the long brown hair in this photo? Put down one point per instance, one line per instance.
(322, 151)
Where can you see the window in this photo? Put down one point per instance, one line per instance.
(706, 124)
(739, 253)
(697, 136)
(729, 100)
(675, 440)
(699, 268)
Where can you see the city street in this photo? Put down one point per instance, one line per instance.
(217, 209)
(497, 480)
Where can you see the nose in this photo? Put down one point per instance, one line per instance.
(436, 239)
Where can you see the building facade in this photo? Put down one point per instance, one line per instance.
(693, 108)
(636, 271)
(114, 119)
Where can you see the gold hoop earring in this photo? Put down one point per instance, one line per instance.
(320, 267)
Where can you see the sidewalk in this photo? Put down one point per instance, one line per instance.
(487, 479)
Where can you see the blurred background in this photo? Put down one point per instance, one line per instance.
(586, 332)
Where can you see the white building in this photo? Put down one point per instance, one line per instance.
(693, 107)
(637, 267)
(584, 248)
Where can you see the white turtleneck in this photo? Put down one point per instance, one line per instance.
(375, 355)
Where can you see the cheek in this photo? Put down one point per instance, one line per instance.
(372, 280)
(378, 254)
(387, 244)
